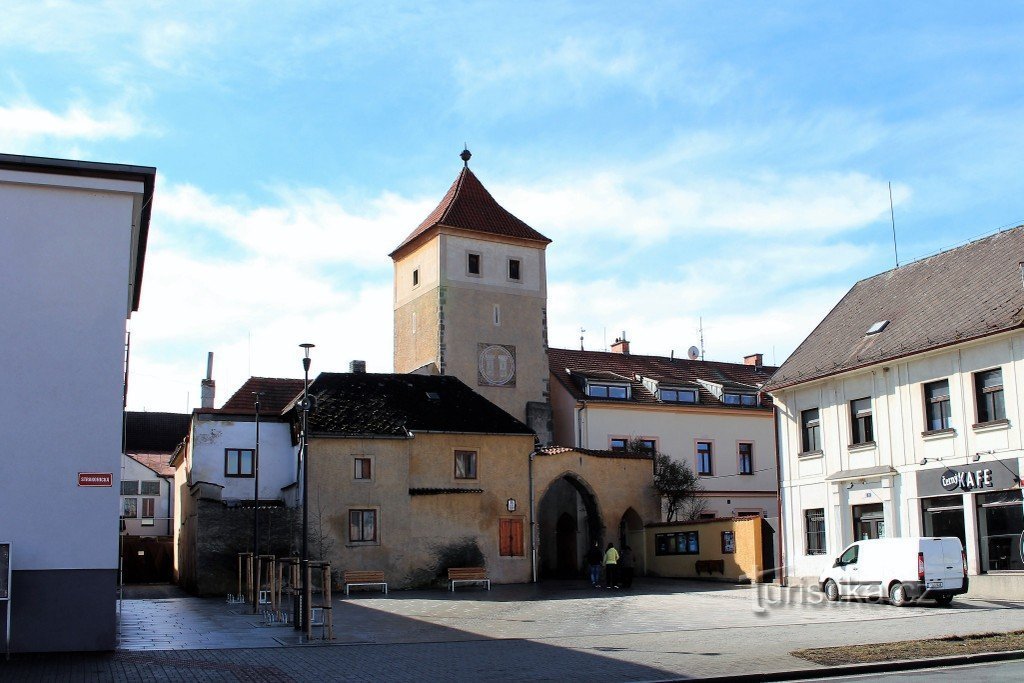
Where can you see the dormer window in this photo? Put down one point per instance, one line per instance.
(675, 395)
(733, 398)
(608, 390)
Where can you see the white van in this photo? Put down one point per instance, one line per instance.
(900, 569)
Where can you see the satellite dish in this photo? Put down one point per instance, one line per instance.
(693, 353)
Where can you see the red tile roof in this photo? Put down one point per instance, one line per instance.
(158, 462)
(469, 206)
(620, 455)
(277, 394)
(572, 367)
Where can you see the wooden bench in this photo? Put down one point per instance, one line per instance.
(710, 566)
(363, 578)
(468, 575)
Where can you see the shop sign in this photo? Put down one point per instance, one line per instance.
(967, 481)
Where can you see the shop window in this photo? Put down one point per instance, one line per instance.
(362, 526)
(129, 487)
(705, 466)
(943, 516)
(363, 468)
(746, 454)
(465, 464)
(1000, 527)
(814, 530)
(810, 431)
(868, 522)
(510, 537)
(238, 462)
(681, 543)
(861, 427)
(988, 391)
(936, 405)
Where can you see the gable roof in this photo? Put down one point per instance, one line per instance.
(154, 432)
(277, 392)
(351, 404)
(158, 463)
(469, 206)
(965, 293)
(572, 368)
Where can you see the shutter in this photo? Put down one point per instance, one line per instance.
(517, 537)
(505, 537)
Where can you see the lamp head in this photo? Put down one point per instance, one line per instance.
(924, 461)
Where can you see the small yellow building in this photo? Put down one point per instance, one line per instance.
(732, 548)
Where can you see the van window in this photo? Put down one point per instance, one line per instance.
(850, 556)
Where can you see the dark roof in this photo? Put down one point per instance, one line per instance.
(159, 463)
(277, 394)
(469, 206)
(619, 455)
(394, 405)
(965, 293)
(154, 432)
(573, 367)
(93, 169)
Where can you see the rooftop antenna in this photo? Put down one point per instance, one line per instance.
(892, 217)
(701, 330)
(581, 338)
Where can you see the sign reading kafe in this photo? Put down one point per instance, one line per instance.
(952, 480)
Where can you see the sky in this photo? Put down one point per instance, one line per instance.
(697, 164)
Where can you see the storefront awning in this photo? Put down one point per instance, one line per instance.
(862, 473)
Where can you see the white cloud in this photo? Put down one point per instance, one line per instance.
(26, 122)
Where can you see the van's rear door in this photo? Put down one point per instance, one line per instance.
(943, 566)
(954, 565)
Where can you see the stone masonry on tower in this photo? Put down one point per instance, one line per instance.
(471, 301)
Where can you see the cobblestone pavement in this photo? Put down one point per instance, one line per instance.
(556, 631)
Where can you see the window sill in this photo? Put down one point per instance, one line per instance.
(864, 446)
(935, 434)
(362, 544)
(991, 426)
(810, 454)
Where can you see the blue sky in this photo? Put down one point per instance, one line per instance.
(723, 160)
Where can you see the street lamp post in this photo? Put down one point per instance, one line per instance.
(256, 504)
(304, 445)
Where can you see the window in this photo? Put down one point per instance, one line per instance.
(704, 466)
(238, 462)
(728, 542)
(936, 405)
(150, 488)
(362, 526)
(682, 543)
(988, 391)
(810, 430)
(647, 445)
(868, 521)
(861, 429)
(617, 444)
(129, 488)
(130, 507)
(814, 529)
(363, 468)
(473, 264)
(607, 391)
(746, 458)
(148, 508)
(513, 269)
(465, 464)
(678, 395)
(416, 277)
(877, 327)
(510, 538)
(734, 399)
(850, 555)
(497, 315)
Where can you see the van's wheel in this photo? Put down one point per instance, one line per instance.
(944, 600)
(831, 590)
(897, 595)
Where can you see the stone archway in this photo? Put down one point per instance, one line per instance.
(569, 522)
(631, 530)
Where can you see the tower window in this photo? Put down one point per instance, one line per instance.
(473, 264)
(513, 269)
(415, 277)
(497, 315)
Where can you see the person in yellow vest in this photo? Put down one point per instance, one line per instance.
(611, 564)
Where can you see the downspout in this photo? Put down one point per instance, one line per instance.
(533, 528)
(781, 578)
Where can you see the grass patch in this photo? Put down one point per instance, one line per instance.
(914, 649)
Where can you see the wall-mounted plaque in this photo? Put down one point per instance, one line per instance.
(496, 365)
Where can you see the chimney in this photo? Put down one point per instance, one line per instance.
(208, 386)
(357, 366)
(621, 345)
(755, 359)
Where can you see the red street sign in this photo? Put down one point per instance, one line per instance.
(95, 479)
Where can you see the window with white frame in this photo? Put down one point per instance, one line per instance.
(362, 468)
(814, 531)
(810, 431)
(465, 464)
(861, 426)
(936, 405)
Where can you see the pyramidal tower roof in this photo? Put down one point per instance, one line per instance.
(469, 206)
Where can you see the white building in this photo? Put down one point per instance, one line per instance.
(900, 415)
(150, 439)
(72, 246)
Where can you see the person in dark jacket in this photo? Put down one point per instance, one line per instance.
(594, 558)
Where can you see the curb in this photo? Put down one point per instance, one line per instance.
(867, 668)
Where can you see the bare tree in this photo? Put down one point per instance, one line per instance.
(322, 540)
(679, 488)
